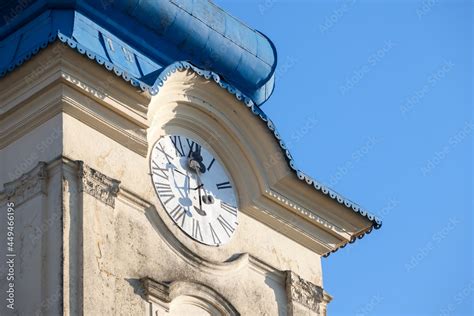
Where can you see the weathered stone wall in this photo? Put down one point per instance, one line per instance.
(92, 238)
(32, 194)
(127, 236)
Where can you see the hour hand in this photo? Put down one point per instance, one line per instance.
(198, 187)
(199, 210)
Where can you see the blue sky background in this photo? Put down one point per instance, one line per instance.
(375, 100)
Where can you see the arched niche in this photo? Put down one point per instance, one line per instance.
(185, 298)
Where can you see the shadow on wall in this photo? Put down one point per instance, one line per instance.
(280, 294)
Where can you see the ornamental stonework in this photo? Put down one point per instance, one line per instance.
(98, 184)
(303, 292)
(28, 185)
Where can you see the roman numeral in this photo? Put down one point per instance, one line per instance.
(210, 165)
(160, 148)
(164, 190)
(178, 213)
(196, 230)
(160, 172)
(215, 238)
(225, 225)
(192, 146)
(229, 208)
(223, 185)
(178, 145)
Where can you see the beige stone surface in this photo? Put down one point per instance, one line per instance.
(93, 238)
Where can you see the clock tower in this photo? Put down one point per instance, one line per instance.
(140, 174)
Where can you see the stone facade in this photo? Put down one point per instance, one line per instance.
(91, 237)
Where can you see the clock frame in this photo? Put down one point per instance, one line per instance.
(194, 188)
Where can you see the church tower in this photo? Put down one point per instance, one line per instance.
(140, 174)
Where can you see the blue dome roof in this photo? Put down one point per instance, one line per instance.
(164, 32)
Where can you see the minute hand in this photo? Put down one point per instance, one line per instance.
(200, 185)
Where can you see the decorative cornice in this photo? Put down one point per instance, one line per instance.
(156, 291)
(98, 185)
(27, 185)
(28, 55)
(353, 240)
(208, 75)
(306, 213)
(162, 77)
(303, 292)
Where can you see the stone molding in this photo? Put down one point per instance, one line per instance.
(28, 185)
(307, 213)
(82, 91)
(303, 292)
(98, 184)
(163, 294)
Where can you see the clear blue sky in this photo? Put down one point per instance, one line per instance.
(389, 86)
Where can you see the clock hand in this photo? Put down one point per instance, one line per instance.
(195, 162)
(199, 211)
(180, 172)
(207, 198)
(199, 186)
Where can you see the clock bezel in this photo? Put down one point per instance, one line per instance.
(206, 146)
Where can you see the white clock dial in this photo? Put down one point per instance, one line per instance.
(194, 189)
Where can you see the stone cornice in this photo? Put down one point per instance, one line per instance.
(308, 214)
(87, 93)
(98, 185)
(28, 185)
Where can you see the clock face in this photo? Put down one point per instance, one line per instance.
(194, 189)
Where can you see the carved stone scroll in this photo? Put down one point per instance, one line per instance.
(309, 295)
(98, 184)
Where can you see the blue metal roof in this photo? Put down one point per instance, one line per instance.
(147, 64)
(156, 33)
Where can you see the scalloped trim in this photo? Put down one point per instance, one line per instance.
(208, 75)
(28, 55)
